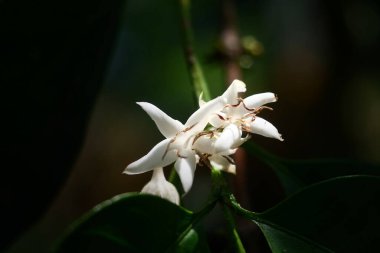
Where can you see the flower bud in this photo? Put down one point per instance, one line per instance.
(159, 186)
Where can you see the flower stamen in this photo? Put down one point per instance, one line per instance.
(203, 159)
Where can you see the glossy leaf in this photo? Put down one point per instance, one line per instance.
(193, 242)
(281, 240)
(341, 215)
(135, 223)
(297, 174)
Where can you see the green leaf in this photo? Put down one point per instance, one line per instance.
(136, 223)
(281, 240)
(297, 174)
(193, 242)
(340, 214)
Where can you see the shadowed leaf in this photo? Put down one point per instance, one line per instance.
(136, 223)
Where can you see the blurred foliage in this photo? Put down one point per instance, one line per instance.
(297, 174)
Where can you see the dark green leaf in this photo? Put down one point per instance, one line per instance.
(297, 174)
(283, 241)
(280, 239)
(193, 242)
(136, 223)
(342, 214)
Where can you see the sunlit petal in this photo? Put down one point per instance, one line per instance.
(199, 119)
(228, 152)
(219, 119)
(204, 145)
(229, 137)
(232, 93)
(264, 128)
(185, 168)
(158, 156)
(167, 125)
(260, 99)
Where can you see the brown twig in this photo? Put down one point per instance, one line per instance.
(231, 51)
(230, 40)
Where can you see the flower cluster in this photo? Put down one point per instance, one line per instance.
(209, 137)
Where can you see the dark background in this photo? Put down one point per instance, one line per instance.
(72, 71)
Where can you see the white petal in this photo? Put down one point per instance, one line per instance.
(199, 119)
(228, 152)
(218, 119)
(167, 125)
(204, 145)
(159, 186)
(240, 142)
(232, 93)
(264, 128)
(185, 168)
(229, 137)
(222, 163)
(155, 158)
(260, 99)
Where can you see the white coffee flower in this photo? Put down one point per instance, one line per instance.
(210, 135)
(177, 147)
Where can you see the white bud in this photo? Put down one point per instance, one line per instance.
(159, 186)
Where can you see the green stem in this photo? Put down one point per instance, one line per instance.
(230, 200)
(232, 229)
(196, 75)
(220, 188)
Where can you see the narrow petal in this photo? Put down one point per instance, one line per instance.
(167, 125)
(222, 163)
(155, 158)
(159, 186)
(185, 168)
(232, 93)
(264, 128)
(260, 99)
(229, 137)
(199, 119)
